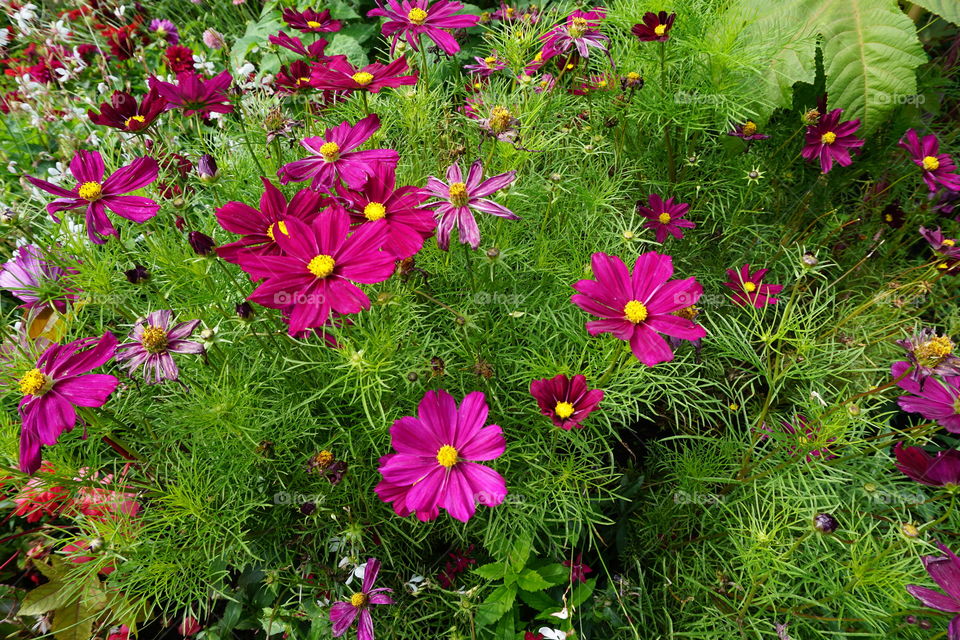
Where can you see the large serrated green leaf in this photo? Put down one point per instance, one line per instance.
(947, 9)
(44, 598)
(870, 52)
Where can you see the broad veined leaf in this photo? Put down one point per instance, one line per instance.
(72, 622)
(46, 597)
(947, 9)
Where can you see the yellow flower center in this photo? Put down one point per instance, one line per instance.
(313, 24)
(956, 406)
(888, 218)
(930, 163)
(321, 266)
(447, 456)
(749, 287)
(133, 121)
(330, 151)
(417, 16)
(934, 351)
(359, 600)
(828, 138)
(323, 459)
(33, 382)
(374, 211)
(363, 78)
(458, 194)
(500, 119)
(664, 218)
(490, 60)
(303, 80)
(281, 225)
(154, 339)
(538, 57)
(690, 313)
(563, 410)
(577, 28)
(90, 191)
(633, 76)
(949, 242)
(749, 128)
(635, 311)
(660, 29)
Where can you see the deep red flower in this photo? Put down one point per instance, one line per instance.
(655, 27)
(311, 21)
(195, 95)
(179, 58)
(123, 112)
(295, 44)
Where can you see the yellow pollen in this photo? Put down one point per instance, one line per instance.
(447, 456)
(330, 151)
(303, 80)
(374, 211)
(930, 163)
(690, 313)
(490, 60)
(948, 242)
(154, 339)
(888, 218)
(749, 128)
(538, 57)
(321, 266)
(417, 16)
(577, 28)
(828, 138)
(363, 78)
(323, 459)
(563, 410)
(33, 382)
(749, 287)
(934, 351)
(633, 76)
(458, 194)
(477, 85)
(90, 191)
(635, 311)
(569, 66)
(277, 225)
(129, 123)
(664, 218)
(500, 119)
(660, 29)
(956, 406)
(313, 24)
(359, 600)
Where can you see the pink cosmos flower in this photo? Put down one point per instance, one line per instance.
(458, 198)
(936, 399)
(748, 288)
(937, 470)
(638, 307)
(938, 168)
(411, 18)
(665, 217)
(123, 112)
(339, 75)
(258, 227)
(580, 30)
(99, 195)
(566, 401)
(407, 223)
(945, 571)
(342, 614)
(939, 242)
(295, 77)
(154, 339)
(318, 266)
(830, 140)
(314, 51)
(35, 280)
(334, 157)
(195, 95)
(311, 21)
(59, 382)
(436, 464)
(486, 67)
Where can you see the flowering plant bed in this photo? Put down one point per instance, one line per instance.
(413, 319)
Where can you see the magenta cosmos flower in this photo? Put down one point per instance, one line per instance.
(930, 354)
(806, 435)
(339, 75)
(934, 471)
(579, 31)
(436, 461)
(99, 195)
(458, 198)
(195, 95)
(259, 227)
(566, 401)
(638, 307)
(310, 21)
(154, 340)
(318, 266)
(342, 614)
(747, 131)
(938, 168)
(578, 569)
(749, 289)
(334, 157)
(34, 280)
(936, 399)
(314, 51)
(830, 140)
(411, 18)
(123, 112)
(945, 571)
(655, 27)
(407, 224)
(665, 217)
(486, 67)
(58, 383)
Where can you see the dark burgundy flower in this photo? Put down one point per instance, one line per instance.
(137, 275)
(195, 95)
(825, 523)
(747, 131)
(295, 77)
(311, 21)
(123, 112)
(940, 470)
(314, 51)
(179, 58)
(945, 571)
(893, 215)
(566, 401)
(830, 140)
(749, 289)
(578, 569)
(201, 243)
(655, 27)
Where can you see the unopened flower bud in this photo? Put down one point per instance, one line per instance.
(910, 530)
(137, 275)
(825, 523)
(244, 311)
(201, 243)
(207, 168)
(213, 39)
